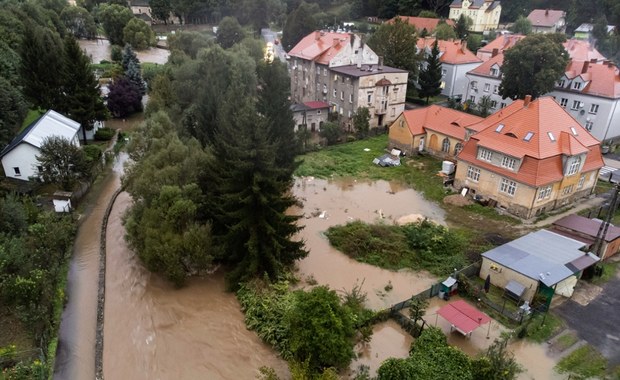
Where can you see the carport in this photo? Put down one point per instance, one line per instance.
(463, 317)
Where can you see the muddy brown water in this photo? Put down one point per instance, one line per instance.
(99, 50)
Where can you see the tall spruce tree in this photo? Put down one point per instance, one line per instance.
(430, 76)
(82, 100)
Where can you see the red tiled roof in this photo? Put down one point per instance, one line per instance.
(580, 50)
(320, 46)
(422, 22)
(316, 105)
(485, 68)
(545, 17)
(454, 52)
(501, 43)
(542, 156)
(604, 79)
(446, 121)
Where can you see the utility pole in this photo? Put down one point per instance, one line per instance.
(602, 231)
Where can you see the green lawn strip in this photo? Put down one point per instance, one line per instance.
(565, 341)
(583, 363)
(31, 116)
(609, 271)
(539, 332)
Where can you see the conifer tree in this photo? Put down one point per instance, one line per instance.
(430, 76)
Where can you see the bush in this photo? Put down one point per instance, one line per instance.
(117, 53)
(104, 134)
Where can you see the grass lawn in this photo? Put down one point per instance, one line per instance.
(543, 327)
(566, 341)
(32, 115)
(609, 271)
(583, 363)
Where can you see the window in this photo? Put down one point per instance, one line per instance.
(494, 72)
(335, 77)
(576, 85)
(318, 112)
(485, 154)
(567, 190)
(564, 102)
(445, 146)
(561, 83)
(40, 169)
(474, 85)
(472, 99)
(574, 166)
(369, 97)
(335, 93)
(495, 88)
(493, 103)
(341, 95)
(458, 148)
(576, 105)
(544, 193)
(508, 163)
(507, 186)
(487, 87)
(594, 108)
(325, 89)
(589, 125)
(17, 171)
(325, 71)
(350, 98)
(502, 105)
(473, 173)
(443, 72)
(582, 180)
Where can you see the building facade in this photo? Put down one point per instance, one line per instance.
(484, 14)
(310, 114)
(547, 21)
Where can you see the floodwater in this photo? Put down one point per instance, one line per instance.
(153, 331)
(344, 200)
(100, 49)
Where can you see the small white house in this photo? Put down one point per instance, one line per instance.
(19, 157)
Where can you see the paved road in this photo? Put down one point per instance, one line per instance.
(270, 36)
(599, 322)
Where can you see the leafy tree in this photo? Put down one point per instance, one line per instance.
(522, 26)
(474, 41)
(62, 162)
(428, 14)
(13, 217)
(331, 132)
(114, 18)
(463, 24)
(445, 32)
(396, 369)
(397, 44)
(161, 9)
(484, 106)
(128, 56)
(14, 109)
(229, 32)
(138, 34)
(496, 363)
(189, 43)
(299, 24)
(82, 97)
(430, 76)
(361, 121)
(42, 67)
(532, 67)
(79, 22)
(321, 329)
(438, 6)
(124, 97)
(417, 308)
(512, 9)
(433, 359)
(132, 68)
(9, 64)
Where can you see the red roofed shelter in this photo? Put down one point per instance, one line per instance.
(463, 317)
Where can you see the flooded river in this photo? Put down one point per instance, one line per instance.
(99, 50)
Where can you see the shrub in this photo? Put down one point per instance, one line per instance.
(104, 134)
(117, 53)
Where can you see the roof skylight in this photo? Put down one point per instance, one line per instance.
(572, 129)
(499, 128)
(529, 136)
(551, 136)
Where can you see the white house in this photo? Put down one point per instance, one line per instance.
(483, 13)
(19, 157)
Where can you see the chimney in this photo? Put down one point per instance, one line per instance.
(494, 52)
(547, 12)
(317, 34)
(463, 46)
(527, 100)
(380, 62)
(584, 68)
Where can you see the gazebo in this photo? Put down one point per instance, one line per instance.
(463, 317)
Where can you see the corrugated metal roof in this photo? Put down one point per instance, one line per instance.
(542, 255)
(587, 226)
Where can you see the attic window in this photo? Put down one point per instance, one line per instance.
(529, 136)
(572, 129)
(551, 136)
(511, 135)
(499, 128)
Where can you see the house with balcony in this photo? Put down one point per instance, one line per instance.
(422, 23)
(529, 158)
(456, 61)
(547, 21)
(341, 70)
(590, 92)
(483, 13)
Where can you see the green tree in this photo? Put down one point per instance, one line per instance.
(417, 308)
(189, 42)
(396, 369)
(321, 329)
(428, 14)
(42, 67)
(229, 32)
(138, 34)
(522, 26)
(532, 67)
(14, 109)
(496, 363)
(462, 26)
(299, 24)
(132, 68)
(62, 162)
(361, 121)
(82, 100)
(484, 106)
(161, 9)
(13, 217)
(433, 359)
(331, 132)
(430, 76)
(473, 42)
(397, 44)
(445, 32)
(114, 17)
(79, 22)
(9, 64)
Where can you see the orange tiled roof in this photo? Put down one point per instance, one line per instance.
(580, 50)
(542, 157)
(446, 121)
(604, 77)
(454, 52)
(320, 46)
(485, 68)
(501, 43)
(545, 17)
(422, 22)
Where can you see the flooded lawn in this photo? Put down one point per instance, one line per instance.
(99, 50)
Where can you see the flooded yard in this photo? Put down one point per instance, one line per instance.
(99, 50)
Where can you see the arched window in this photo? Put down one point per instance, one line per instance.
(458, 148)
(445, 146)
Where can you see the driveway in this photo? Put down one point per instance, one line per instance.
(598, 323)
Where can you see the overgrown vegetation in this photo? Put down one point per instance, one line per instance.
(583, 363)
(422, 245)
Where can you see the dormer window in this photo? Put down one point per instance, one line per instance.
(494, 71)
(485, 154)
(574, 166)
(561, 83)
(576, 85)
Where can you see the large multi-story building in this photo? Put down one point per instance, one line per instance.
(528, 158)
(483, 13)
(340, 69)
(547, 21)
